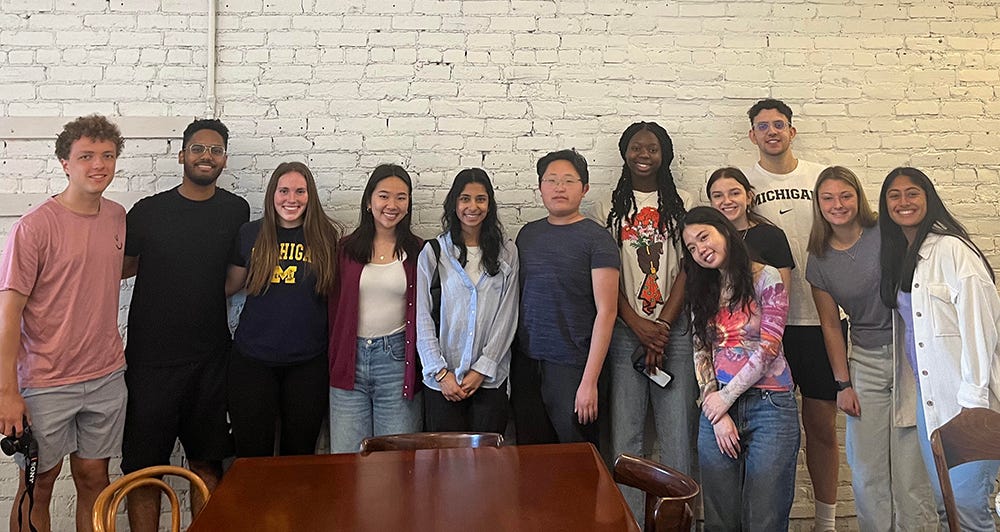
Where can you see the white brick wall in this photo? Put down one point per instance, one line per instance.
(439, 85)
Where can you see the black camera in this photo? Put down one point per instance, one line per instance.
(25, 445)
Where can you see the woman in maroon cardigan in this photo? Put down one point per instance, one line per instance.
(373, 362)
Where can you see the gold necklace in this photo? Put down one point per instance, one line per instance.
(381, 256)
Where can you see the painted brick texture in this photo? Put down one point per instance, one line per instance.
(441, 85)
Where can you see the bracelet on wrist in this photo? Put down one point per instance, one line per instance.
(441, 375)
(664, 322)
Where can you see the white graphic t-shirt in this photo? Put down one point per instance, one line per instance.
(650, 260)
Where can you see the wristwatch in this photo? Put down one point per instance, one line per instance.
(843, 385)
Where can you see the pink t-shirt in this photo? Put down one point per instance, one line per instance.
(69, 265)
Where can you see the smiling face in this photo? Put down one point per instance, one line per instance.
(907, 204)
(643, 155)
(90, 166)
(471, 206)
(389, 203)
(706, 244)
(562, 190)
(838, 202)
(730, 198)
(203, 169)
(772, 132)
(291, 197)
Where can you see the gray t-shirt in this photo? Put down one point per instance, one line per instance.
(852, 277)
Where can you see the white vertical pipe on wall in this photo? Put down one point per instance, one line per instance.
(210, 54)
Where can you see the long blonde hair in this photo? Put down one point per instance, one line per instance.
(321, 233)
(819, 235)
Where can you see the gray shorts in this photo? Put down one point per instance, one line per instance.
(86, 418)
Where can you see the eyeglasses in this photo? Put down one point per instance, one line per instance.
(199, 149)
(778, 125)
(568, 182)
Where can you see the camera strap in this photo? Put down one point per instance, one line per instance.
(30, 473)
(29, 492)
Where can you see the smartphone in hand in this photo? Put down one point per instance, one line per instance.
(660, 377)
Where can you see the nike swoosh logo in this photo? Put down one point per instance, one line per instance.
(783, 211)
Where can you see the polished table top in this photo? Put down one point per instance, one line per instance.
(532, 487)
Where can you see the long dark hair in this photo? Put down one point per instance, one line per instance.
(321, 235)
(898, 257)
(360, 244)
(491, 232)
(669, 204)
(704, 285)
(754, 217)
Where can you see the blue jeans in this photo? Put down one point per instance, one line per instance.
(754, 491)
(971, 484)
(675, 409)
(376, 405)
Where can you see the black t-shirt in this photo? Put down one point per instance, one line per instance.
(768, 244)
(286, 324)
(178, 311)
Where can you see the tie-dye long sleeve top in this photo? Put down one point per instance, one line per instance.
(747, 351)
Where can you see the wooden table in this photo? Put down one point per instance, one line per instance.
(532, 487)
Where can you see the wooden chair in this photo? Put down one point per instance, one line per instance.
(111, 497)
(670, 494)
(972, 435)
(431, 440)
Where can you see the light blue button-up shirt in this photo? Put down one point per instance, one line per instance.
(478, 316)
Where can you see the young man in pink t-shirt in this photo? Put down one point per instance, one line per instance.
(61, 355)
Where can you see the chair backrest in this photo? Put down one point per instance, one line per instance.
(431, 440)
(970, 436)
(669, 493)
(106, 505)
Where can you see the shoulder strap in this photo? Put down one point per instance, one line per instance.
(436, 248)
(436, 285)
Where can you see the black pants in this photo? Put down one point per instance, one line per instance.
(485, 411)
(261, 396)
(543, 395)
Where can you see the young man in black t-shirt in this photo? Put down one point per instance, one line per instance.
(177, 245)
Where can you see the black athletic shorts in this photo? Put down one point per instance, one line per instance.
(186, 402)
(807, 358)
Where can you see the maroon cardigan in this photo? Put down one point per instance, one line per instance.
(343, 316)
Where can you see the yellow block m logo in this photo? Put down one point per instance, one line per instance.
(284, 276)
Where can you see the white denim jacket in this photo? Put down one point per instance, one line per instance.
(956, 320)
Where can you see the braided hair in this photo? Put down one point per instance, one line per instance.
(669, 204)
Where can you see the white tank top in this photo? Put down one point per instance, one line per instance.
(382, 300)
